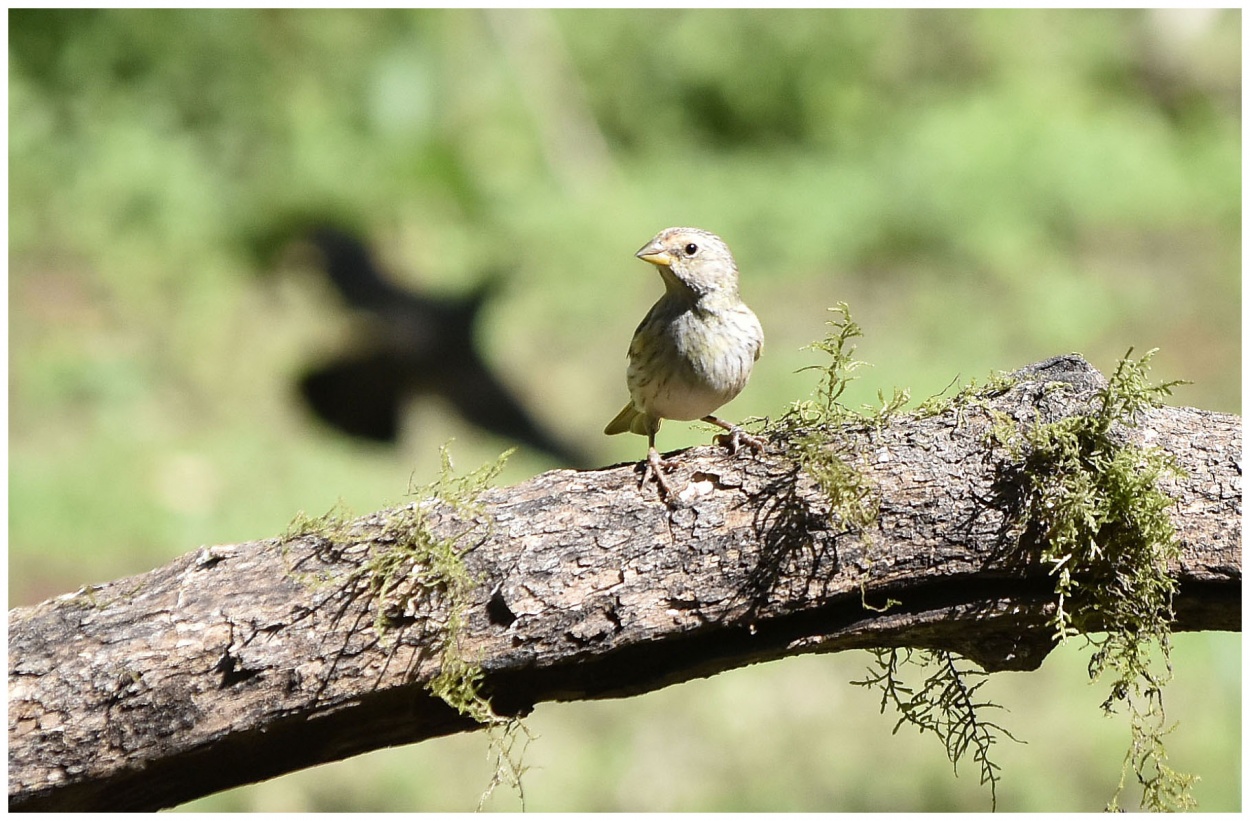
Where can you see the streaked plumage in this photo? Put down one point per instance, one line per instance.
(695, 348)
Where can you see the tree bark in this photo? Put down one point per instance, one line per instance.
(237, 663)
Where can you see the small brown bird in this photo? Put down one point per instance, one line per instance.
(695, 348)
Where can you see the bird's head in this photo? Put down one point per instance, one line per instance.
(692, 260)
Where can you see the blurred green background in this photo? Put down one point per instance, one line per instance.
(985, 188)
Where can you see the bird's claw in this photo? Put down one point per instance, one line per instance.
(655, 467)
(737, 437)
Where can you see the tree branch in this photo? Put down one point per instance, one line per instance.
(237, 663)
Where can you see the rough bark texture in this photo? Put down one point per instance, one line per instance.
(236, 663)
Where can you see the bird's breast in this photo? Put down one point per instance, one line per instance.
(685, 364)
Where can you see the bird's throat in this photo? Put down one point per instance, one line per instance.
(680, 290)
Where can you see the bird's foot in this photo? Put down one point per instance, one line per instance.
(737, 437)
(655, 468)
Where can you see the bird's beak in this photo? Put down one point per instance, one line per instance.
(655, 254)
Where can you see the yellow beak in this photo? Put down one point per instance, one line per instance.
(655, 254)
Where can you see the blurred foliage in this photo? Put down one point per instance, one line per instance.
(985, 189)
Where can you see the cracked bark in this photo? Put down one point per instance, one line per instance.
(237, 663)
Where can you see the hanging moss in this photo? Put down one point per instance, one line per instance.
(413, 570)
(946, 703)
(1094, 509)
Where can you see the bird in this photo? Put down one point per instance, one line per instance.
(412, 344)
(695, 348)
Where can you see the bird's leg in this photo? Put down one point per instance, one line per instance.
(736, 437)
(655, 467)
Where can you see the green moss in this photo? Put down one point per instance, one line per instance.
(946, 704)
(807, 428)
(509, 739)
(1093, 506)
(412, 569)
(836, 374)
(333, 526)
(967, 396)
(421, 564)
(329, 524)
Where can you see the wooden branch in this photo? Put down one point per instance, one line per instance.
(237, 663)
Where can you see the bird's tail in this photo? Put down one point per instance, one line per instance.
(632, 420)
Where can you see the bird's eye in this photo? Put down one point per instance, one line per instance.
(692, 249)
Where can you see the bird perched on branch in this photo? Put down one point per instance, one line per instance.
(695, 348)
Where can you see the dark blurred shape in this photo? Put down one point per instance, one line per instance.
(413, 344)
